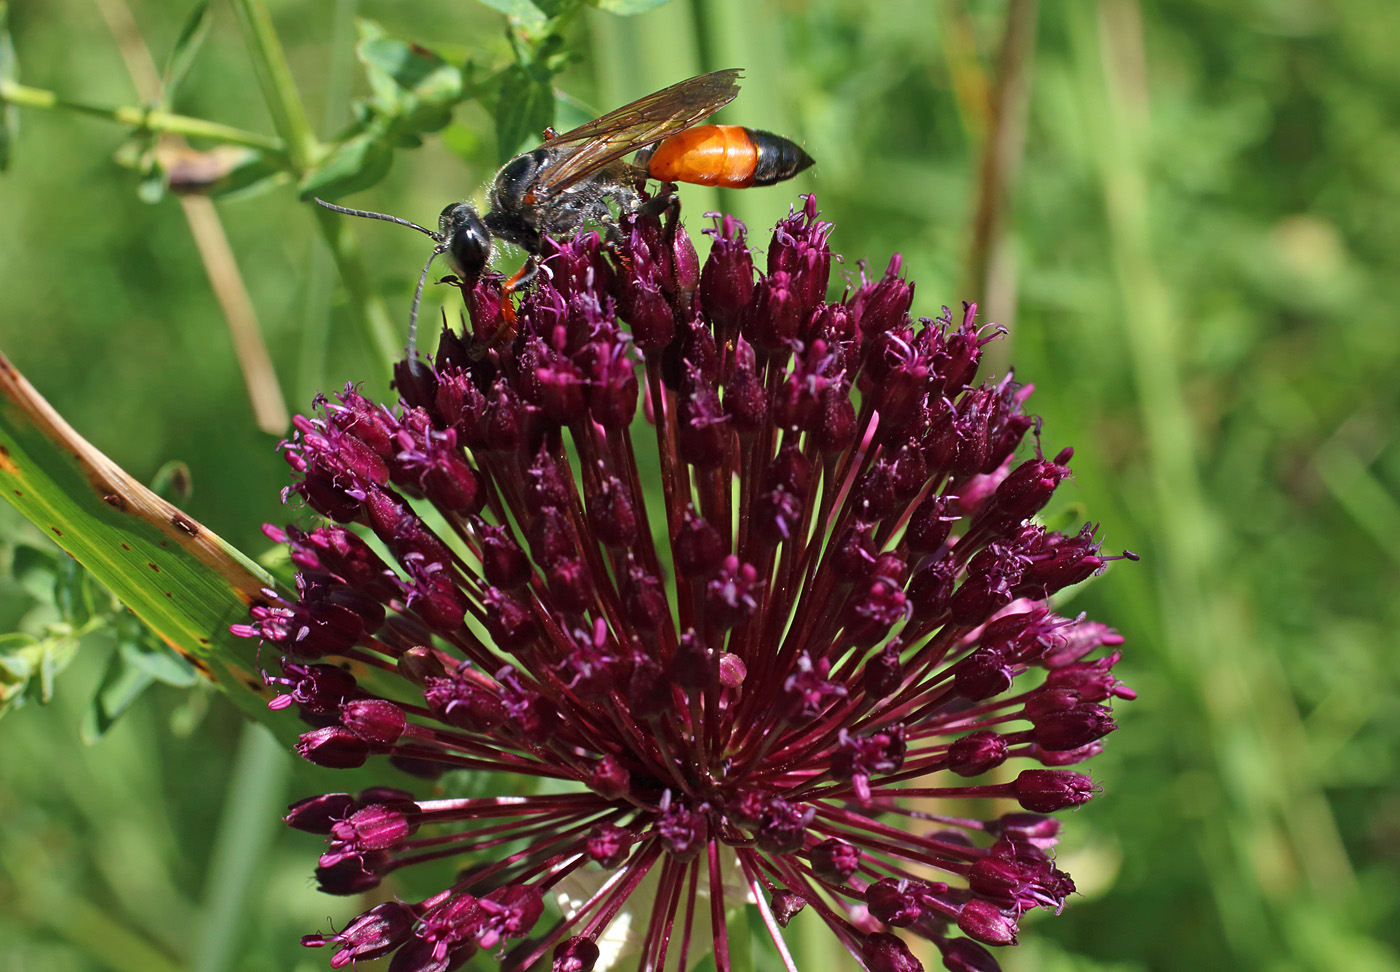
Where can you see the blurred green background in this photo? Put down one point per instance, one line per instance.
(1187, 213)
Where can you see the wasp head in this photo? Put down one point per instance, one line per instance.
(466, 240)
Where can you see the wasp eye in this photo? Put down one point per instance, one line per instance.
(468, 244)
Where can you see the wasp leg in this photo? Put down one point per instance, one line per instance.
(665, 200)
(518, 280)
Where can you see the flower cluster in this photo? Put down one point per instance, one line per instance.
(753, 642)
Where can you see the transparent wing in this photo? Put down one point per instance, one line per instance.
(644, 122)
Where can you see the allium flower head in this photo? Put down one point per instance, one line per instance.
(753, 642)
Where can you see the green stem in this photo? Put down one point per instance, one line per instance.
(366, 309)
(289, 117)
(145, 119)
(279, 89)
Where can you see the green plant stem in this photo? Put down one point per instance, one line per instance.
(145, 119)
(304, 150)
(279, 88)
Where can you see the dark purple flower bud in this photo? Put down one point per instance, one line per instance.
(731, 596)
(569, 585)
(644, 599)
(351, 875)
(577, 954)
(693, 351)
(835, 429)
(965, 955)
(651, 318)
(513, 911)
(609, 844)
(1073, 728)
(857, 758)
(853, 554)
(1049, 791)
(874, 493)
(682, 830)
(465, 702)
(544, 486)
(372, 828)
(503, 563)
(982, 675)
(931, 589)
(871, 613)
(611, 514)
(929, 525)
(533, 717)
(552, 536)
(726, 282)
(1025, 491)
(648, 688)
(885, 304)
(777, 514)
(1092, 681)
(782, 829)
(773, 315)
(807, 692)
(982, 921)
(372, 935)
(562, 390)
(745, 398)
(378, 722)
(784, 905)
(315, 815)
(834, 861)
(899, 902)
(703, 426)
(799, 248)
(698, 548)
(316, 689)
(976, 753)
(883, 952)
(510, 623)
(333, 747)
(612, 383)
(609, 779)
(503, 424)
(883, 674)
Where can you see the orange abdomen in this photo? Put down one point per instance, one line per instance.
(706, 155)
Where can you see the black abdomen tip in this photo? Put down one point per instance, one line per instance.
(778, 158)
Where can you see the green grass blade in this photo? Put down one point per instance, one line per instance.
(181, 579)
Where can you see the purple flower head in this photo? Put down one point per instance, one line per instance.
(746, 578)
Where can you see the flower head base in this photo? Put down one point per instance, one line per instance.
(754, 683)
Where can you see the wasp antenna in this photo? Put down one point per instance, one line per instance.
(413, 313)
(384, 216)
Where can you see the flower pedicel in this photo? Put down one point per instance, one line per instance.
(762, 684)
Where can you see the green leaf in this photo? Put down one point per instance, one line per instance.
(187, 44)
(9, 72)
(173, 482)
(353, 165)
(25, 659)
(522, 10)
(524, 110)
(413, 68)
(131, 669)
(184, 582)
(628, 7)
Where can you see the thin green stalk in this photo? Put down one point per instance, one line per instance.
(145, 119)
(255, 795)
(289, 116)
(279, 88)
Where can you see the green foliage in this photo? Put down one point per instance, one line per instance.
(1200, 263)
